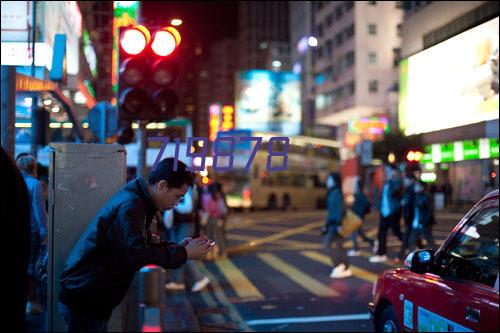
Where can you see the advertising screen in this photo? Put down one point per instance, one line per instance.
(268, 101)
(452, 84)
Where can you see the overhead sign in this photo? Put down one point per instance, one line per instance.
(16, 20)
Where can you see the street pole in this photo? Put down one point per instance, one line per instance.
(8, 109)
(104, 122)
(151, 298)
(34, 100)
(141, 162)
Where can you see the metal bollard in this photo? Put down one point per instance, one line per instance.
(151, 298)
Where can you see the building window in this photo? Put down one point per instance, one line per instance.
(372, 3)
(349, 32)
(320, 52)
(399, 4)
(329, 48)
(398, 29)
(320, 30)
(338, 12)
(348, 5)
(329, 20)
(396, 54)
(372, 58)
(373, 86)
(350, 88)
(349, 59)
(372, 29)
(339, 39)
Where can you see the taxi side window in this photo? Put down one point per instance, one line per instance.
(474, 255)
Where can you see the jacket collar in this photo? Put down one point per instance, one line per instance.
(139, 186)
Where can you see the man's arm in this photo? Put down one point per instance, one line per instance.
(127, 234)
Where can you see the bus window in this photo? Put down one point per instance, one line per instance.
(255, 171)
(299, 180)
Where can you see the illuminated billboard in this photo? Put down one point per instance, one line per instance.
(451, 84)
(268, 101)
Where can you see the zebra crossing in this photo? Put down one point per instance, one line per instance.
(277, 270)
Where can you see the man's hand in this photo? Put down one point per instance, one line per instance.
(185, 241)
(197, 248)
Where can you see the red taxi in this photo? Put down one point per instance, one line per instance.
(454, 289)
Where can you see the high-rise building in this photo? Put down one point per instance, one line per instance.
(223, 66)
(263, 35)
(302, 45)
(356, 60)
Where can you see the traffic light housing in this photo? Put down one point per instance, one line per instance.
(148, 68)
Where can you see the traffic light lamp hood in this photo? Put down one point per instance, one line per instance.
(148, 67)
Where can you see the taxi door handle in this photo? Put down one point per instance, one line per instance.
(472, 314)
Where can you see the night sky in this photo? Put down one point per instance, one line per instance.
(203, 21)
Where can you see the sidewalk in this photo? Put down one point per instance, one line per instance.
(179, 316)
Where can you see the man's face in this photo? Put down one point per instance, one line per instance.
(168, 197)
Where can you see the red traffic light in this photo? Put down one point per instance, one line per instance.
(135, 40)
(164, 43)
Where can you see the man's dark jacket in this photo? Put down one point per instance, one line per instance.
(114, 246)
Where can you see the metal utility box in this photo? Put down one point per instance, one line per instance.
(82, 177)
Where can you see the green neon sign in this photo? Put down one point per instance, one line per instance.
(466, 150)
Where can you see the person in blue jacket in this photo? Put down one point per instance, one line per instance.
(422, 218)
(333, 228)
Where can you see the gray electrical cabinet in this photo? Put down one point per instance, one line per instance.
(82, 177)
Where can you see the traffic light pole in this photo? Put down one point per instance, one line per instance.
(141, 161)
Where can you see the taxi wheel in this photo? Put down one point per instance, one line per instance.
(388, 321)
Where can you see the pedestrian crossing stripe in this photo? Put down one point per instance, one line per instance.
(356, 271)
(305, 281)
(240, 283)
(232, 312)
(274, 237)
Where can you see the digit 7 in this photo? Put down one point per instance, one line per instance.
(203, 153)
(164, 144)
(258, 141)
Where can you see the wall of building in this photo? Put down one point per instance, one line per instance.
(433, 16)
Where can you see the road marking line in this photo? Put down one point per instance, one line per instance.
(357, 271)
(271, 238)
(299, 277)
(305, 320)
(221, 296)
(276, 228)
(243, 287)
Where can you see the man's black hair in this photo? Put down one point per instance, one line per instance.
(165, 171)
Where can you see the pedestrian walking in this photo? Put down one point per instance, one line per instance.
(422, 220)
(361, 207)
(28, 166)
(333, 228)
(408, 210)
(390, 212)
(118, 242)
(180, 224)
(211, 201)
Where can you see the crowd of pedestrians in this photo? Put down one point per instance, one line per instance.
(401, 199)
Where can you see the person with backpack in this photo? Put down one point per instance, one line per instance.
(361, 207)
